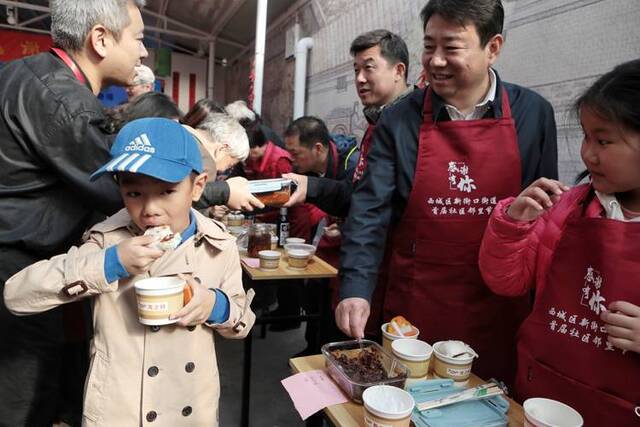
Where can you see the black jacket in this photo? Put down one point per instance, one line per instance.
(380, 197)
(51, 139)
(333, 194)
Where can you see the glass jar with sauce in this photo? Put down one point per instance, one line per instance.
(259, 239)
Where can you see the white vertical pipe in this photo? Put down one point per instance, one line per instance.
(211, 69)
(300, 77)
(261, 30)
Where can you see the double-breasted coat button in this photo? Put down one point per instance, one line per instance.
(155, 328)
(189, 367)
(153, 371)
(151, 416)
(186, 411)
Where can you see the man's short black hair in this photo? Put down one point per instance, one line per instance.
(392, 47)
(486, 15)
(309, 130)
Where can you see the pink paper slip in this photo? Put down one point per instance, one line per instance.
(252, 262)
(312, 391)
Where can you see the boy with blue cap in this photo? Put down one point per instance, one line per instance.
(141, 374)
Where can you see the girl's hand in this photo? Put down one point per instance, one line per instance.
(135, 254)
(198, 310)
(622, 322)
(537, 197)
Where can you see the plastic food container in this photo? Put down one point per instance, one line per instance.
(491, 412)
(294, 240)
(272, 192)
(395, 372)
(269, 260)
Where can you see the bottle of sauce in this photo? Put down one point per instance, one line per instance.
(283, 227)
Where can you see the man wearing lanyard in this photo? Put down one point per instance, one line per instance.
(440, 160)
(51, 140)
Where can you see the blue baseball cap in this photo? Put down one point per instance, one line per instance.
(157, 147)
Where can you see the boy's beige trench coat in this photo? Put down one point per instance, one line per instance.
(142, 375)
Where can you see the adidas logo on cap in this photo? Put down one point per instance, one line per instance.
(141, 143)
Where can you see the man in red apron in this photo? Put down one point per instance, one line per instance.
(381, 62)
(439, 162)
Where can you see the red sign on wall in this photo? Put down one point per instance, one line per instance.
(16, 44)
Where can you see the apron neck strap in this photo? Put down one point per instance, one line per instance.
(64, 56)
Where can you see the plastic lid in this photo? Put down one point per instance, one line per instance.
(299, 253)
(388, 402)
(268, 254)
(268, 185)
(156, 283)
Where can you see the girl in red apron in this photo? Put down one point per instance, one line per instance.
(580, 250)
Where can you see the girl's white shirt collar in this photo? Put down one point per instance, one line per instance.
(612, 207)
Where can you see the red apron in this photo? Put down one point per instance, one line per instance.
(365, 146)
(563, 352)
(463, 168)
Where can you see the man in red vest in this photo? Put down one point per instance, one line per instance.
(441, 158)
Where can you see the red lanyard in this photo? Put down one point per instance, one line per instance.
(72, 65)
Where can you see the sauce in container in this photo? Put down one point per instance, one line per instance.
(272, 192)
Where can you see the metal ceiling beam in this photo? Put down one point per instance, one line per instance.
(229, 13)
(33, 20)
(196, 33)
(172, 45)
(178, 33)
(28, 29)
(282, 18)
(175, 22)
(25, 5)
